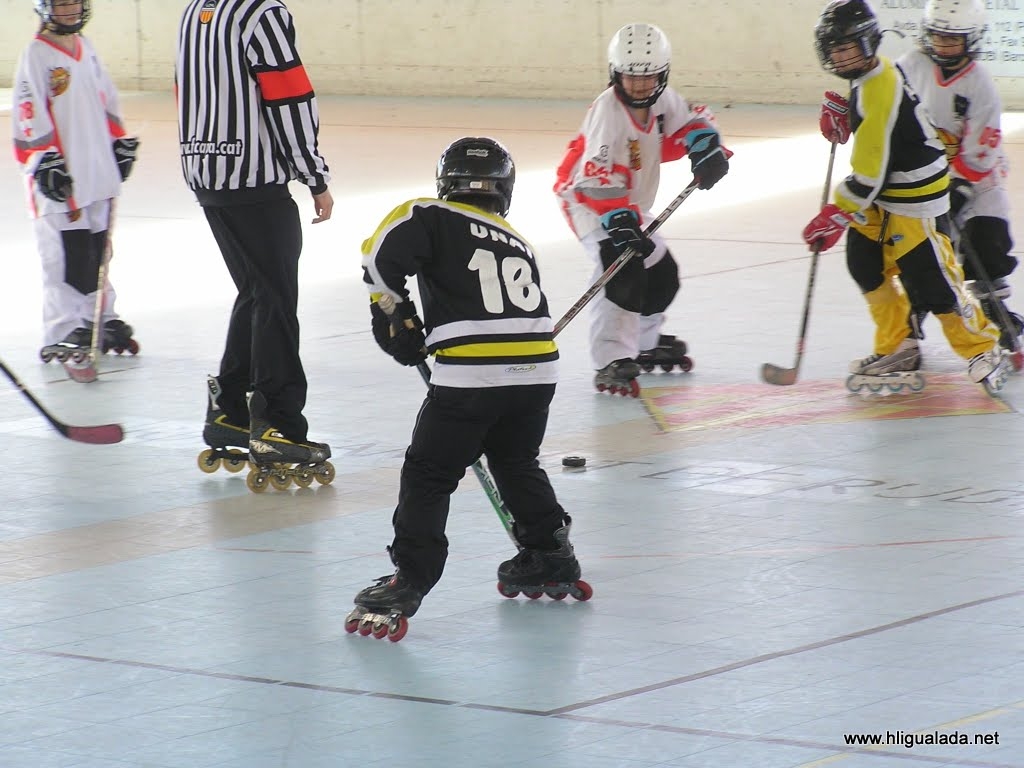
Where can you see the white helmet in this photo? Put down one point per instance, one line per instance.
(44, 8)
(639, 49)
(953, 17)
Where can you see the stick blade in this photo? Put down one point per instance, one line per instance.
(101, 434)
(782, 377)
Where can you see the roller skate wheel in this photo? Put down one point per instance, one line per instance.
(1017, 360)
(506, 592)
(365, 627)
(686, 365)
(380, 631)
(601, 387)
(558, 595)
(351, 625)
(533, 595)
(303, 479)
(46, 356)
(324, 474)
(237, 463)
(649, 367)
(585, 591)
(280, 482)
(397, 633)
(256, 480)
(133, 347)
(208, 462)
(917, 384)
(634, 388)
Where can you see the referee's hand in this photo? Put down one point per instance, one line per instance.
(323, 204)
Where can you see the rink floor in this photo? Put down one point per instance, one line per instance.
(773, 568)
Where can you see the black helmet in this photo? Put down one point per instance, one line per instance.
(473, 168)
(44, 8)
(847, 21)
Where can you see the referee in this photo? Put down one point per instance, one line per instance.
(248, 124)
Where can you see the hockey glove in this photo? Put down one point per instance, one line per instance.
(125, 151)
(961, 192)
(400, 335)
(708, 160)
(52, 177)
(826, 228)
(835, 118)
(623, 228)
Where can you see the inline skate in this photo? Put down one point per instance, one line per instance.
(383, 609)
(117, 337)
(276, 460)
(669, 354)
(992, 298)
(888, 374)
(536, 572)
(619, 378)
(990, 369)
(228, 442)
(74, 354)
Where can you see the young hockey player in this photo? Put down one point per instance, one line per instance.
(607, 183)
(962, 102)
(74, 152)
(895, 205)
(486, 320)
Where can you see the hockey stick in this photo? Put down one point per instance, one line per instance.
(1016, 355)
(387, 305)
(101, 434)
(620, 262)
(774, 374)
(101, 287)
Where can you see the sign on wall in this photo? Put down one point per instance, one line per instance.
(1003, 45)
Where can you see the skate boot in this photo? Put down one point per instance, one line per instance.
(73, 354)
(536, 572)
(670, 353)
(117, 337)
(992, 297)
(990, 369)
(888, 374)
(619, 378)
(226, 440)
(383, 609)
(278, 460)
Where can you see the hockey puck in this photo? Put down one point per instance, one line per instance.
(574, 461)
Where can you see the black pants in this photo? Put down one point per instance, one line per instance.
(261, 243)
(453, 429)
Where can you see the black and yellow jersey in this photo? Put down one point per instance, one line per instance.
(898, 160)
(485, 317)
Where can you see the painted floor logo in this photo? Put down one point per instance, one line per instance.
(686, 407)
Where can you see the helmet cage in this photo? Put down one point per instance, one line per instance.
(473, 168)
(846, 21)
(44, 9)
(639, 50)
(953, 18)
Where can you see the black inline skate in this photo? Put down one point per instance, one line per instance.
(992, 297)
(228, 442)
(619, 378)
(277, 460)
(384, 608)
(75, 347)
(670, 353)
(536, 572)
(117, 337)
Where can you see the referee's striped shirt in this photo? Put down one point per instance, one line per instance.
(247, 114)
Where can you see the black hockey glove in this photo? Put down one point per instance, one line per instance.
(961, 192)
(393, 334)
(623, 228)
(52, 177)
(708, 160)
(125, 151)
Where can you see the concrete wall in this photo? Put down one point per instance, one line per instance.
(724, 50)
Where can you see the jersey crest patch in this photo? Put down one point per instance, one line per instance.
(206, 13)
(60, 79)
(634, 155)
(950, 141)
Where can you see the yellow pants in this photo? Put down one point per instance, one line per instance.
(916, 251)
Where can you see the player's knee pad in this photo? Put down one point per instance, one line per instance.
(629, 286)
(83, 251)
(864, 261)
(925, 281)
(989, 236)
(662, 285)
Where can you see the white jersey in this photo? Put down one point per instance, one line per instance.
(615, 162)
(66, 102)
(966, 112)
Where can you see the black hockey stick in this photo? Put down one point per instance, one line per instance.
(1016, 355)
(774, 374)
(101, 434)
(620, 262)
(387, 305)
